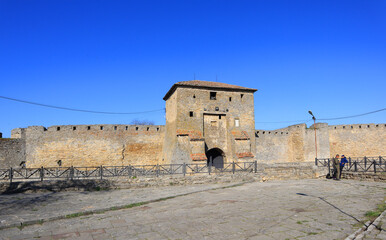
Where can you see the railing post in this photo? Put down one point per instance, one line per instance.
(10, 174)
(380, 161)
(209, 168)
(365, 163)
(355, 166)
(349, 162)
(316, 162)
(157, 170)
(233, 167)
(375, 167)
(71, 173)
(41, 174)
(255, 166)
(184, 169)
(101, 172)
(328, 164)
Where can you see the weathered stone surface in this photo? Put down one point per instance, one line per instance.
(295, 209)
(12, 152)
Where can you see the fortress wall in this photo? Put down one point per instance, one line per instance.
(272, 146)
(358, 140)
(292, 144)
(12, 152)
(94, 145)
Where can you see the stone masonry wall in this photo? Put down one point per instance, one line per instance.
(358, 140)
(12, 152)
(93, 145)
(292, 144)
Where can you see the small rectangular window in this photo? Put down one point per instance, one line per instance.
(190, 114)
(74, 128)
(88, 127)
(241, 96)
(213, 95)
(101, 127)
(237, 122)
(115, 127)
(230, 99)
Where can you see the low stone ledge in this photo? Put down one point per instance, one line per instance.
(366, 176)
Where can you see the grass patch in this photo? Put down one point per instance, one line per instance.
(301, 222)
(74, 215)
(312, 233)
(372, 215)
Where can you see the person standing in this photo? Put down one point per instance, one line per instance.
(336, 166)
(343, 161)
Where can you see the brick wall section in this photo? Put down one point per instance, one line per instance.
(12, 152)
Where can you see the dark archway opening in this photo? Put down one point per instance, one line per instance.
(215, 157)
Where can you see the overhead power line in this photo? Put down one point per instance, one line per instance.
(358, 115)
(80, 110)
(327, 119)
(163, 109)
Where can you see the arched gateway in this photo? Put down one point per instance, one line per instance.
(215, 157)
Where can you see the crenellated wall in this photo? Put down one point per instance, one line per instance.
(358, 140)
(92, 145)
(292, 144)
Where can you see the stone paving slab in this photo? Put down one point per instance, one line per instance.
(297, 209)
(27, 207)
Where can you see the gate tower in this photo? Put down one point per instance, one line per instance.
(209, 122)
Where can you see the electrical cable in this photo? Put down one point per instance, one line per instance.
(358, 115)
(163, 109)
(79, 110)
(327, 119)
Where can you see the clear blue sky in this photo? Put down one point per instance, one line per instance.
(123, 56)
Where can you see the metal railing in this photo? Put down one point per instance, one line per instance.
(103, 172)
(357, 164)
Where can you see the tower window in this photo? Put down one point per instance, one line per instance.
(237, 122)
(115, 127)
(74, 128)
(241, 96)
(88, 127)
(101, 127)
(213, 95)
(230, 99)
(190, 114)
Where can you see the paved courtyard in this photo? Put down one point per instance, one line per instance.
(296, 209)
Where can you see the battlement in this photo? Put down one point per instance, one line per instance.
(92, 129)
(363, 126)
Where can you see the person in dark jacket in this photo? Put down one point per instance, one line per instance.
(336, 166)
(343, 161)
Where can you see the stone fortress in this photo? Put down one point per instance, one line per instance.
(206, 122)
